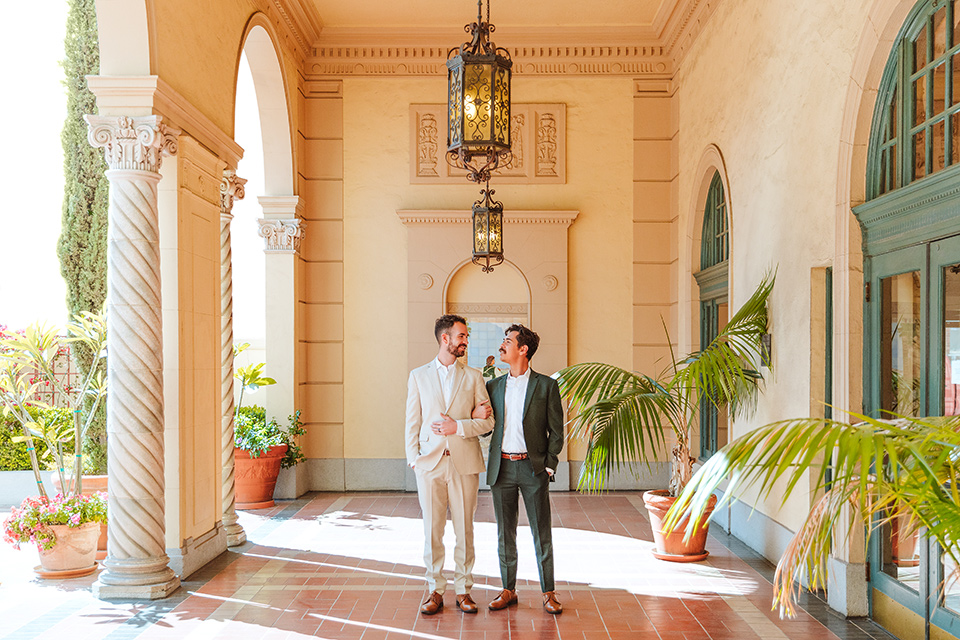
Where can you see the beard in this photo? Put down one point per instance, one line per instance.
(457, 351)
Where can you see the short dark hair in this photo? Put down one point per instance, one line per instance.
(445, 323)
(525, 338)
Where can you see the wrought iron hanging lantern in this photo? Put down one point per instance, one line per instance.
(478, 101)
(478, 127)
(487, 231)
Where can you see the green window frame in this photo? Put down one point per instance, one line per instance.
(715, 236)
(916, 124)
(713, 283)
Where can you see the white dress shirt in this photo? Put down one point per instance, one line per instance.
(513, 400)
(446, 374)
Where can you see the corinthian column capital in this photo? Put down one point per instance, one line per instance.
(282, 236)
(132, 143)
(231, 189)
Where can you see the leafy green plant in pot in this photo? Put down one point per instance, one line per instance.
(27, 364)
(869, 474)
(626, 417)
(262, 447)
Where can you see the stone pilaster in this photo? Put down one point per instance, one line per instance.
(282, 228)
(136, 563)
(230, 189)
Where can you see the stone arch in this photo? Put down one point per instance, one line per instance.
(507, 284)
(876, 42)
(259, 45)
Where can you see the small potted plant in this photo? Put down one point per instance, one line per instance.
(628, 417)
(65, 530)
(27, 365)
(262, 447)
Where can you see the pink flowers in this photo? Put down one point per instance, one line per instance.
(30, 522)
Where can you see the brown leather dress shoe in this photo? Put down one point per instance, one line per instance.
(466, 604)
(432, 604)
(551, 604)
(503, 600)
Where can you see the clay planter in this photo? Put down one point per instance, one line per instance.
(256, 478)
(671, 546)
(91, 484)
(73, 554)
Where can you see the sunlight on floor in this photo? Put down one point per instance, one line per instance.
(589, 558)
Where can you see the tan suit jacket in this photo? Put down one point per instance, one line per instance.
(425, 403)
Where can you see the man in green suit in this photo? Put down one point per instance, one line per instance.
(527, 439)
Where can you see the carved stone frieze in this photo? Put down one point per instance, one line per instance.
(519, 309)
(537, 137)
(281, 236)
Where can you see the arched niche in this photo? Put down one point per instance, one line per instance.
(490, 302)
(438, 248)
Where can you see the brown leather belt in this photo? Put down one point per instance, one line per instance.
(514, 456)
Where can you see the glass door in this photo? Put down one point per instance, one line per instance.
(944, 369)
(913, 337)
(896, 320)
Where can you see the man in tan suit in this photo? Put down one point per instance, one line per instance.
(443, 450)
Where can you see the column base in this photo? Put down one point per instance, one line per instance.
(135, 591)
(236, 536)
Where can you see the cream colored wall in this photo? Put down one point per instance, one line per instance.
(768, 87)
(376, 179)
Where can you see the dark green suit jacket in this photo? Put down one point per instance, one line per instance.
(542, 423)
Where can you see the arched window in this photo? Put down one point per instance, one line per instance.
(714, 240)
(714, 310)
(916, 127)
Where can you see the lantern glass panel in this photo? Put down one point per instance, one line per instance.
(455, 106)
(501, 119)
(496, 232)
(480, 232)
(477, 99)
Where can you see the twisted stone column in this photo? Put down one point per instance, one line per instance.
(137, 563)
(230, 189)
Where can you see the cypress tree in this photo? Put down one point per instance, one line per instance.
(82, 247)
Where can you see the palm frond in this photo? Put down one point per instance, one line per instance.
(883, 469)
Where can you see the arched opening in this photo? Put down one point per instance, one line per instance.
(490, 302)
(262, 128)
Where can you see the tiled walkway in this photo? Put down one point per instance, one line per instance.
(350, 566)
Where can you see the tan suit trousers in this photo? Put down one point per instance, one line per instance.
(437, 488)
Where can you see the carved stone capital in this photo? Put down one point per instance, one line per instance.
(231, 189)
(132, 143)
(282, 236)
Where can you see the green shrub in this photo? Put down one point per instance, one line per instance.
(254, 434)
(14, 455)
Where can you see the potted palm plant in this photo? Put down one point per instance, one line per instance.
(879, 471)
(626, 417)
(27, 365)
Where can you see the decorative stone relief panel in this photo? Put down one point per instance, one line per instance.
(537, 136)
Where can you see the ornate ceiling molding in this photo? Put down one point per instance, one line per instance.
(453, 216)
(300, 20)
(651, 52)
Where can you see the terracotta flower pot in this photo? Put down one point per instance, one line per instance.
(671, 546)
(256, 478)
(74, 552)
(91, 484)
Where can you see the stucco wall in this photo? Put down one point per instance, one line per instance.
(767, 86)
(376, 176)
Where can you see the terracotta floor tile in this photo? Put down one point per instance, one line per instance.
(355, 573)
